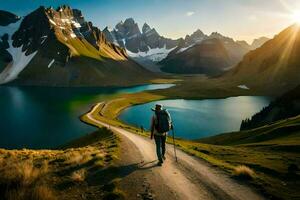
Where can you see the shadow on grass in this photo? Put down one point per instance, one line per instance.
(107, 175)
(99, 177)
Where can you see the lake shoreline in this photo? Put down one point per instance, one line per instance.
(224, 157)
(24, 106)
(195, 119)
(113, 110)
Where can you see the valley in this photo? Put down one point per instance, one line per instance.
(76, 97)
(270, 152)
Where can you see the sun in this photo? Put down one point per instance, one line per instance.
(296, 16)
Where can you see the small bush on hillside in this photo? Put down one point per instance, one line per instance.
(244, 172)
(79, 175)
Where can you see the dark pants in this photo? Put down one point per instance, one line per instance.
(160, 142)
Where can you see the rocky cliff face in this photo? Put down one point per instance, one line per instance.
(146, 43)
(59, 47)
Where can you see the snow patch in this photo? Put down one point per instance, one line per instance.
(155, 54)
(110, 29)
(185, 48)
(243, 87)
(133, 36)
(148, 30)
(44, 38)
(20, 61)
(73, 35)
(76, 24)
(50, 64)
(124, 42)
(52, 22)
(66, 21)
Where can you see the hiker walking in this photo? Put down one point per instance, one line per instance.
(160, 125)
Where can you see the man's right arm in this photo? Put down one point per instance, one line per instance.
(170, 120)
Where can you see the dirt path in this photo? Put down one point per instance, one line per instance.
(189, 178)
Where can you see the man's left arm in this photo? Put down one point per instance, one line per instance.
(152, 128)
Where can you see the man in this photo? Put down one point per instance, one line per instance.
(160, 125)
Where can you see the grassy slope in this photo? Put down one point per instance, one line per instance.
(265, 133)
(269, 151)
(200, 87)
(66, 172)
(269, 154)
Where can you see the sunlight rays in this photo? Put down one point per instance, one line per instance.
(296, 17)
(293, 9)
(290, 40)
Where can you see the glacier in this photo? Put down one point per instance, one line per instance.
(155, 54)
(20, 59)
(243, 87)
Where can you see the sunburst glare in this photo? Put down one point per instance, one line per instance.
(296, 17)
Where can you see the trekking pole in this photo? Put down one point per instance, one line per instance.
(174, 144)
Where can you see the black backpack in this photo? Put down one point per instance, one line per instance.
(163, 121)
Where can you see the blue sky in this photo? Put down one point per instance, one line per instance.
(240, 19)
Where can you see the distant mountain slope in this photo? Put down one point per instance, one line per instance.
(208, 57)
(272, 68)
(286, 106)
(259, 42)
(59, 48)
(235, 51)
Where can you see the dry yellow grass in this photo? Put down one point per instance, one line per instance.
(244, 172)
(23, 172)
(43, 192)
(23, 179)
(33, 174)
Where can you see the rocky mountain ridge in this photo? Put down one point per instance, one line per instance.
(51, 46)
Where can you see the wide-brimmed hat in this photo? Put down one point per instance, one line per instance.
(157, 107)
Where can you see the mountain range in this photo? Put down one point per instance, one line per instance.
(190, 56)
(58, 47)
(274, 67)
(208, 57)
(148, 45)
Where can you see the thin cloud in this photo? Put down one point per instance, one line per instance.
(252, 17)
(189, 13)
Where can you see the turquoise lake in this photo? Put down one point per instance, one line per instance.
(194, 119)
(47, 117)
